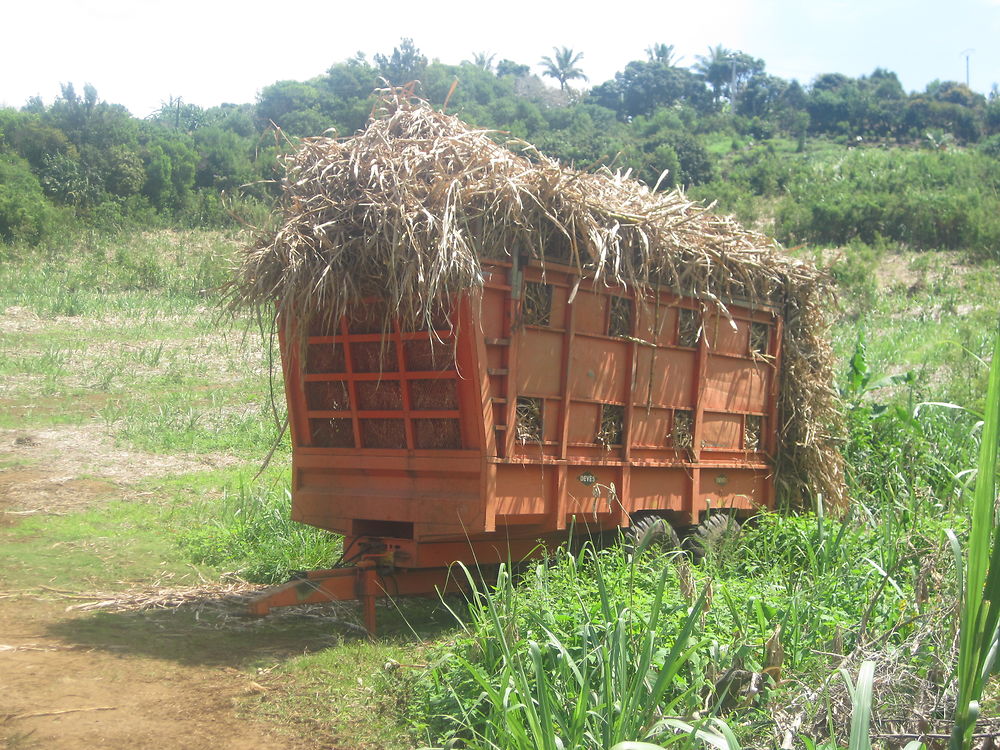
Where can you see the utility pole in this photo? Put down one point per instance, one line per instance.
(732, 86)
(966, 53)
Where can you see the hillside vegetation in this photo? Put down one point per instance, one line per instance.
(837, 159)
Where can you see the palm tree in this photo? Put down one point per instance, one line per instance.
(563, 68)
(483, 60)
(663, 53)
(714, 67)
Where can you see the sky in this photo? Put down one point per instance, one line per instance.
(140, 53)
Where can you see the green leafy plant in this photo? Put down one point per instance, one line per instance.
(979, 576)
(249, 532)
(526, 679)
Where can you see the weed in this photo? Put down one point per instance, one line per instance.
(586, 673)
(979, 577)
(249, 531)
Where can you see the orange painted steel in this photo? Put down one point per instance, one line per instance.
(409, 442)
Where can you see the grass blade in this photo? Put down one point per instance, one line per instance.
(981, 601)
(861, 697)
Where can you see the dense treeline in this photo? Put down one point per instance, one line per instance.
(840, 159)
(83, 160)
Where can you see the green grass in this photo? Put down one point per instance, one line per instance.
(553, 638)
(355, 690)
(104, 547)
(979, 576)
(247, 530)
(146, 352)
(536, 671)
(162, 273)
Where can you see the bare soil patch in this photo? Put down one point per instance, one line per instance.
(55, 693)
(21, 320)
(154, 666)
(69, 467)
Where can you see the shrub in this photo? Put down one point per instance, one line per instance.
(927, 200)
(26, 215)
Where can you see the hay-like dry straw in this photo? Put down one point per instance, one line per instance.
(528, 419)
(620, 317)
(751, 433)
(407, 210)
(612, 429)
(536, 307)
(682, 434)
(759, 335)
(688, 328)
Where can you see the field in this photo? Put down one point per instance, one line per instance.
(136, 516)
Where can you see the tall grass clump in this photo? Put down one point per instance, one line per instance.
(94, 274)
(249, 532)
(586, 652)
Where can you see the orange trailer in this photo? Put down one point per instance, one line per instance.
(610, 353)
(540, 403)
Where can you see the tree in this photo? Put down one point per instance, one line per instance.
(64, 179)
(29, 137)
(294, 106)
(25, 214)
(870, 105)
(563, 67)
(663, 53)
(483, 60)
(585, 135)
(646, 86)
(177, 114)
(349, 86)
(952, 92)
(886, 84)
(405, 64)
(170, 162)
(224, 162)
(511, 68)
(714, 68)
(106, 137)
(764, 95)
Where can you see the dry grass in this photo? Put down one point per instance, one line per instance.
(682, 434)
(751, 433)
(407, 210)
(760, 333)
(620, 323)
(688, 328)
(528, 416)
(612, 430)
(536, 307)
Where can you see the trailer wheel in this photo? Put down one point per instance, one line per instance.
(652, 532)
(713, 535)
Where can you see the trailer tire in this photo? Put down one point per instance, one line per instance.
(651, 532)
(713, 536)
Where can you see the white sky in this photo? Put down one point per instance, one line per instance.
(141, 52)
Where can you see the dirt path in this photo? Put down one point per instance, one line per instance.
(166, 679)
(55, 693)
(68, 681)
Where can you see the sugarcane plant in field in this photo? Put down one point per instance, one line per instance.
(979, 639)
